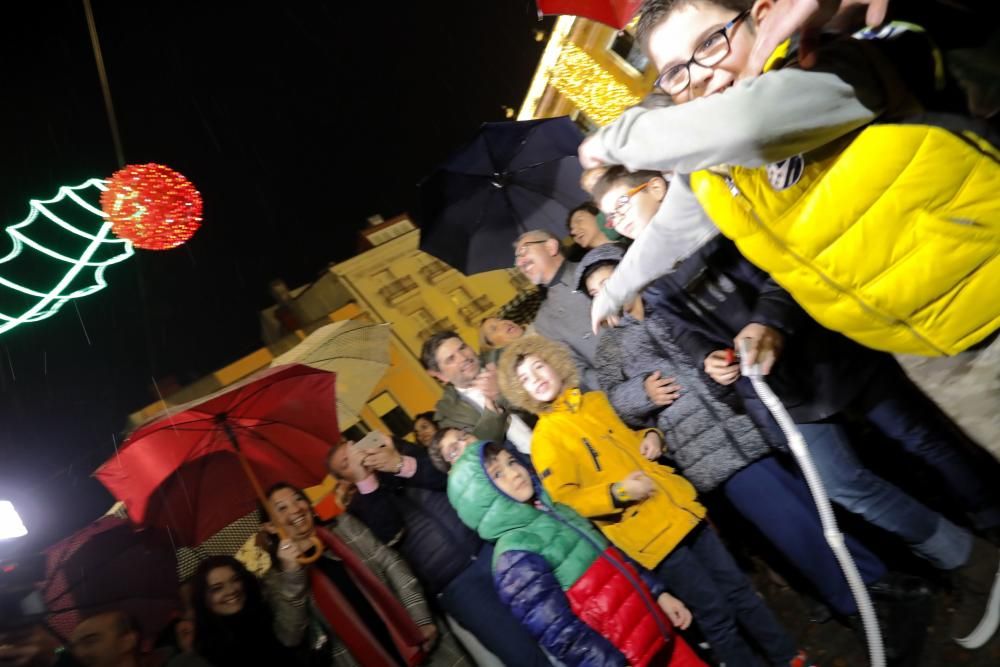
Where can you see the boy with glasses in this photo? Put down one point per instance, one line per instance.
(790, 165)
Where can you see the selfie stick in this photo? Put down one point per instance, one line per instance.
(800, 449)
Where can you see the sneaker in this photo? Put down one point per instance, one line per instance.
(977, 587)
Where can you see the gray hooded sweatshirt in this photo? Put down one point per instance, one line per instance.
(757, 121)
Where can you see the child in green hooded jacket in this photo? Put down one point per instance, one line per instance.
(581, 597)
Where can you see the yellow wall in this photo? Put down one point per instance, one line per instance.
(437, 293)
(413, 389)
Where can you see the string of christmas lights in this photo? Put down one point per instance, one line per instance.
(591, 88)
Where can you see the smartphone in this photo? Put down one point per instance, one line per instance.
(373, 441)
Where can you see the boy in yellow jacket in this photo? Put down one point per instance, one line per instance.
(589, 459)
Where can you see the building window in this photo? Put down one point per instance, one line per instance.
(423, 316)
(434, 271)
(355, 432)
(383, 277)
(476, 309)
(626, 48)
(460, 296)
(398, 290)
(388, 231)
(392, 415)
(519, 281)
(437, 326)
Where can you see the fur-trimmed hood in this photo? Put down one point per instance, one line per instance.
(555, 354)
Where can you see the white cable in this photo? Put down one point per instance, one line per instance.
(797, 444)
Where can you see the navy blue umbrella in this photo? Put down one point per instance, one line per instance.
(511, 178)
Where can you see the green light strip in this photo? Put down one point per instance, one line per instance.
(51, 301)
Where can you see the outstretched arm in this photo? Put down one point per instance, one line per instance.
(757, 121)
(678, 229)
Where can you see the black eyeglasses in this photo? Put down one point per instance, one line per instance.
(712, 51)
(522, 250)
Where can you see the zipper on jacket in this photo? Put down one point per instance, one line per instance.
(735, 192)
(593, 453)
(637, 585)
(639, 462)
(745, 204)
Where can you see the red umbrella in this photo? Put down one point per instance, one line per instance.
(201, 466)
(615, 13)
(109, 566)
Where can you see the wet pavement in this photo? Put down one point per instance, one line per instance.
(832, 644)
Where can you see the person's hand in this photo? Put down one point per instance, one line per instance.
(759, 344)
(589, 178)
(288, 554)
(486, 382)
(877, 10)
(786, 18)
(660, 390)
(603, 311)
(356, 470)
(675, 610)
(589, 153)
(806, 17)
(384, 459)
(651, 446)
(638, 486)
(719, 366)
(19, 655)
(430, 633)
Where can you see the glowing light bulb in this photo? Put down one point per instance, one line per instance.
(11, 525)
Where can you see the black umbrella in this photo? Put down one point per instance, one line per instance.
(511, 178)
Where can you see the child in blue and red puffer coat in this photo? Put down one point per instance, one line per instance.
(584, 601)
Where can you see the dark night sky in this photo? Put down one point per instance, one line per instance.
(295, 119)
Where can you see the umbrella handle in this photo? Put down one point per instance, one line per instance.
(317, 550)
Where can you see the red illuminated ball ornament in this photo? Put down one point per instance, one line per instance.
(152, 206)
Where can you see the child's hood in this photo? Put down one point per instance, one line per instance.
(479, 503)
(556, 354)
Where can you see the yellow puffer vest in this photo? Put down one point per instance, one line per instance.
(890, 236)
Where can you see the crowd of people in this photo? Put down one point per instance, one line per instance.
(551, 510)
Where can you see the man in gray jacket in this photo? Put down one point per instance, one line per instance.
(565, 313)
